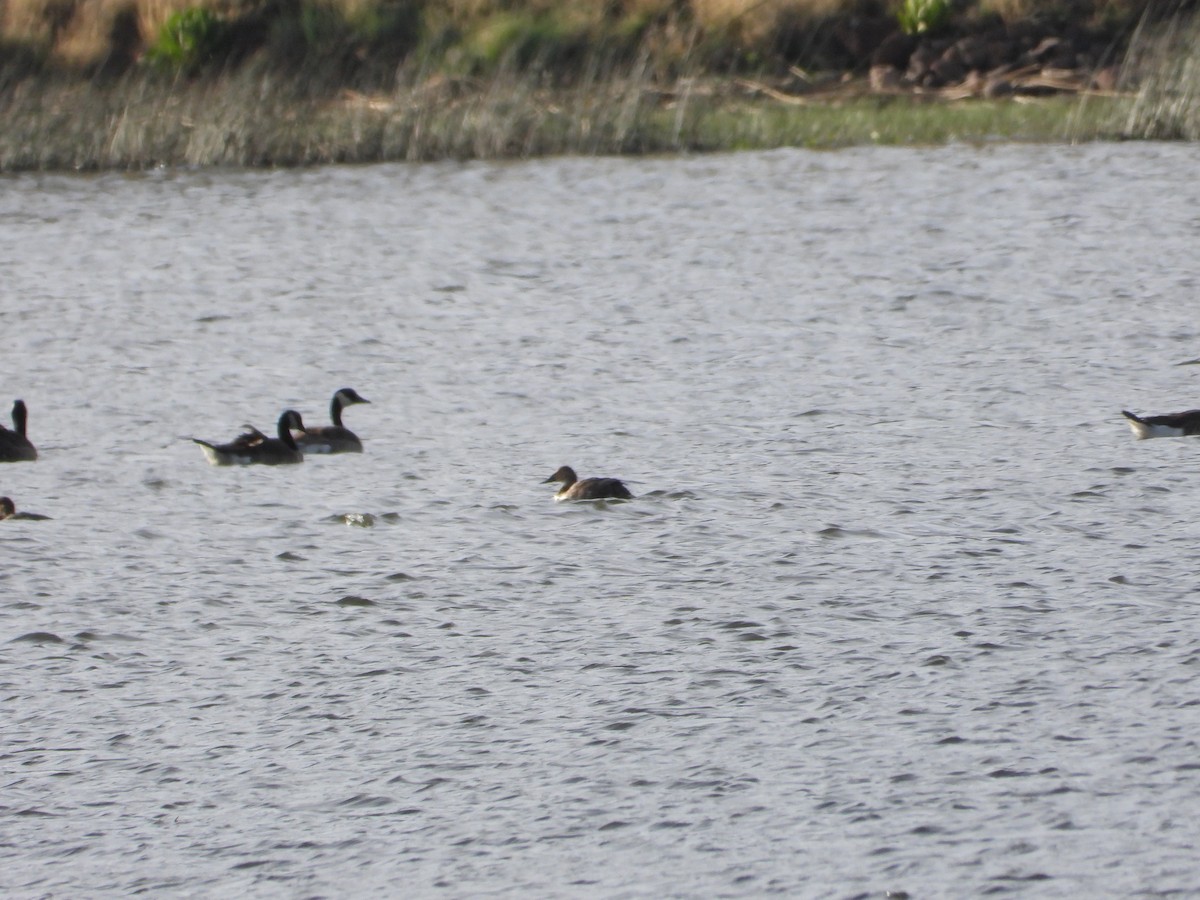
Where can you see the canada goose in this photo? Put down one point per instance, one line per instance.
(588, 489)
(1182, 424)
(254, 448)
(8, 510)
(335, 438)
(14, 446)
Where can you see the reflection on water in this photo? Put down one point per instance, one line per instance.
(900, 606)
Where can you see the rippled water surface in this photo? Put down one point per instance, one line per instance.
(901, 605)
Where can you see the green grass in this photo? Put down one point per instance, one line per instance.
(894, 121)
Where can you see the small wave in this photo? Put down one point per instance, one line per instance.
(38, 637)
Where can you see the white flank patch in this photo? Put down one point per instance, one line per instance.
(210, 453)
(1144, 432)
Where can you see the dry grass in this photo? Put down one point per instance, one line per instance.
(80, 33)
(1165, 62)
(257, 120)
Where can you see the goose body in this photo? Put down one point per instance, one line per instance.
(335, 438)
(1184, 424)
(255, 448)
(589, 488)
(14, 445)
(8, 510)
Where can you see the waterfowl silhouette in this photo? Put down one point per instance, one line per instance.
(255, 448)
(14, 446)
(1184, 424)
(335, 438)
(8, 510)
(588, 489)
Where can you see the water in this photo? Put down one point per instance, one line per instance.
(901, 606)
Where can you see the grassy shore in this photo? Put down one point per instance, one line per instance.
(489, 80)
(242, 122)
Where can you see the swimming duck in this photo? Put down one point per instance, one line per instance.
(8, 510)
(14, 446)
(1184, 424)
(255, 448)
(334, 438)
(588, 489)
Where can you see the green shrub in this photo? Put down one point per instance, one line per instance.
(922, 16)
(187, 40)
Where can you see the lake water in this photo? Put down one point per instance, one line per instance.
(901, 606)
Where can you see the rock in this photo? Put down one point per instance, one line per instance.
(894, 51)
(1106, 79)
(920, 62)
(863, 35)
(974, 83)
(974, 52)
(948, 69)
(1025, 34)
(884, 79)
(997, 86)
(1054, 53)
(1002, 51)
(1045, 48)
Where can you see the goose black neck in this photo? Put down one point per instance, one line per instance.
(19, 415)
(285, 433)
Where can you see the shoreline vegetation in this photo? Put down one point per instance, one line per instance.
(90, 85)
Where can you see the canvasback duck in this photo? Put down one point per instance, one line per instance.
(14, 445)
(335, 438)
(1184, 424)
(588, 489)
(254, 448)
